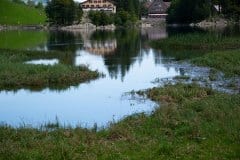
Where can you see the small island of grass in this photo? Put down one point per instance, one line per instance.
(16, 74)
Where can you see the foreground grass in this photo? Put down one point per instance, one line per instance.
(15, 74)
(192, 123)
(18, 14)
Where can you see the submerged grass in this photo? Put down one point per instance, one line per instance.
(192, 123)
(15, 74)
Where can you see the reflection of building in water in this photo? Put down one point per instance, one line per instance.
(155, 33)
(101, 47)
(100, 43)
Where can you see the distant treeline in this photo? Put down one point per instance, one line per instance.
(190, 11)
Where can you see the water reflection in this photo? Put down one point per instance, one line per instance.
(123, 56)
(119, 49)
(126, 59)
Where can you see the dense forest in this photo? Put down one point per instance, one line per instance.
(180, 10)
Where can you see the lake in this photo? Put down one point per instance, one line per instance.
(123, 56)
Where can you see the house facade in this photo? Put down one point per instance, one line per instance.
(98, 5)
(158, 9)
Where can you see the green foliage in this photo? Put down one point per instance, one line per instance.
(19, 14)
(100, 18)
(192, 123)
(143, 8)
(79, 12)
(124, 18)
(130, 6)
(226, 61)
(188, 11)
(39, 6)
(230, 8)
(205, 49)
(61, 12)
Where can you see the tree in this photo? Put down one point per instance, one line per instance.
(61, 12)
(230, 8)
(79, 12)
(100, 18)
(30, 3)
(130, 6)
(188, 11)
(39, 6)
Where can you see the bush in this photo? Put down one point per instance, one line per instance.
(100, 18)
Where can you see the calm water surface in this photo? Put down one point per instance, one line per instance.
(124, 56)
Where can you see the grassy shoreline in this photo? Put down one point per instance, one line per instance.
(15, 74)
(204, 49)
(192, 123)
(198, 41)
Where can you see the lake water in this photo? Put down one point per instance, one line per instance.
(125, 58)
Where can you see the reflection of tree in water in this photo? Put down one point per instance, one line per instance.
(128, 48)
(68, 42)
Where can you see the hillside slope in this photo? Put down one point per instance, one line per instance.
(17, 14)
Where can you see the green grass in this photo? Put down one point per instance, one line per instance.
(204, 49)
(15, 74)
(192, 123)
(22, 39)
(226, 61)
(18, 14)
(200, 41)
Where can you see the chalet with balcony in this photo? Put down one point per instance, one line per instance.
(98, 5)
(158, 9)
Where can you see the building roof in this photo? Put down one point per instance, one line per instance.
(93, 0)
(158, 7)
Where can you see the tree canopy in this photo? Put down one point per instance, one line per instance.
(61, 12)
(188, 11)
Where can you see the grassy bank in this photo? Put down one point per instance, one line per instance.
(19, 14)
(225, 61)
(192, 123)
(204, 49)
(15, 74)
(201, 41)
